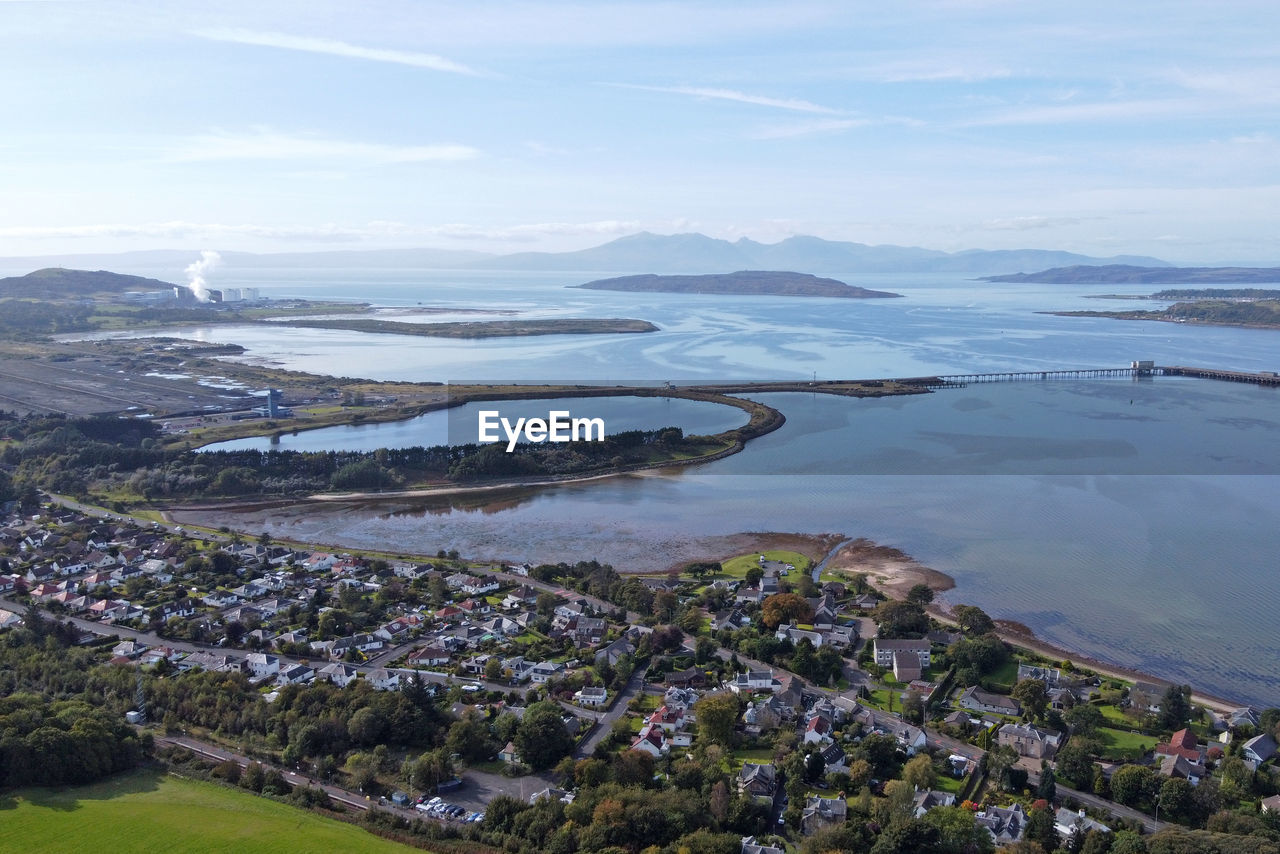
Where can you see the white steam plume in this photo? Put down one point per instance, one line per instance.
(196, 271)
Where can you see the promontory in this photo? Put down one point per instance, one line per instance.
(752, 282)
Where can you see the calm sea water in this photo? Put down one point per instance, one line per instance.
(1136, 522)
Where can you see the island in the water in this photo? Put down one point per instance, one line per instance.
(62, 283)
(751, 282)
(1084, 274)
(480, 328)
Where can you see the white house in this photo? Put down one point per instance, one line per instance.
(385, 680)
(263, 664)
(590, 695)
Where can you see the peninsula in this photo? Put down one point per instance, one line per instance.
(1127, 274)
(1222, 312)
(750, 282)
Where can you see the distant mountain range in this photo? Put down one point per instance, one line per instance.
(636, 253)
(1113, 274)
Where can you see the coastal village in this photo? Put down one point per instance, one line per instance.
(824, 706)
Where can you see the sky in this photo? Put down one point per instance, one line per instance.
(1097, 127)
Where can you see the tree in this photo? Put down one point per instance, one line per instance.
(542, 738)
(1033, 696)
(785, 607)
(920, 594)
(919, 772)
(367, 726)
(717, 716)
(1131, 785)
(1175, 707)
(1084, 718)
(999, 760)
(959, 832)
(1075, 763)
(1175, 799)
(913, 707)
(973, 620)
(910, 837)
(900, 619)
(1040, 828)
(814, 767)
(1048, 787)
(1128, 842)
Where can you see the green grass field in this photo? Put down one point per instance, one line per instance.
(1118, 744)
(736, 567)
(146, 811)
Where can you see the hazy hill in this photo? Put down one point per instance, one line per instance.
(1122, 274)
(697, 253)
(777, 283)
(643, 252)
(61, 283)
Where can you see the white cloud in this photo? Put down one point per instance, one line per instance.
(334, 47)
(266, 144)
(794, 104)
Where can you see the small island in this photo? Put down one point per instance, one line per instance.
(746, 282)
(480, 328)
(1083, 274)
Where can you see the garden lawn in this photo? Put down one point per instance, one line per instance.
(147, 811)
(1119, 744)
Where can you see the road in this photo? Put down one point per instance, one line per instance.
(619, 708)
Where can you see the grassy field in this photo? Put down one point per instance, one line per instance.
(147, 811)
(736, 567)
(1118, 744)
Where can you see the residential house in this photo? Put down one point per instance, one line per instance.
(650, 740)
(1005, 824)
(384, 680)
(295, 674)
(978, 700)
(1182, 743)
(338, 673)
(758, 782)
(907, 666)
(429, 656)
(1271, 804)
(591, 695)
(1181, 768)
(834, 757)
(209, 661)
(754, 680)
(928, 799)
(820, 812)
(679, 698)
(865, 602)
(795, 635)
(262, 664)
(614, 652)
(1029, 740)
(818, 730)
(1066, 822)
(911, 739)
(545, 671)
(1050, 676)
(1260, 748)
(508, 753)
(750, 846)
(694, 677)
(884, 650)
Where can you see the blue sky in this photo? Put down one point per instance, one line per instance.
(1095, 127)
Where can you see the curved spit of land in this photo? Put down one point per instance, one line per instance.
(763, 419)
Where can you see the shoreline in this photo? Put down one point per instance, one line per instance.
(893, 572)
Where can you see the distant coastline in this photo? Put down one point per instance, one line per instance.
(1083, 274)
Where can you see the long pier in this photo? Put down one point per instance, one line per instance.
(1266, 378)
